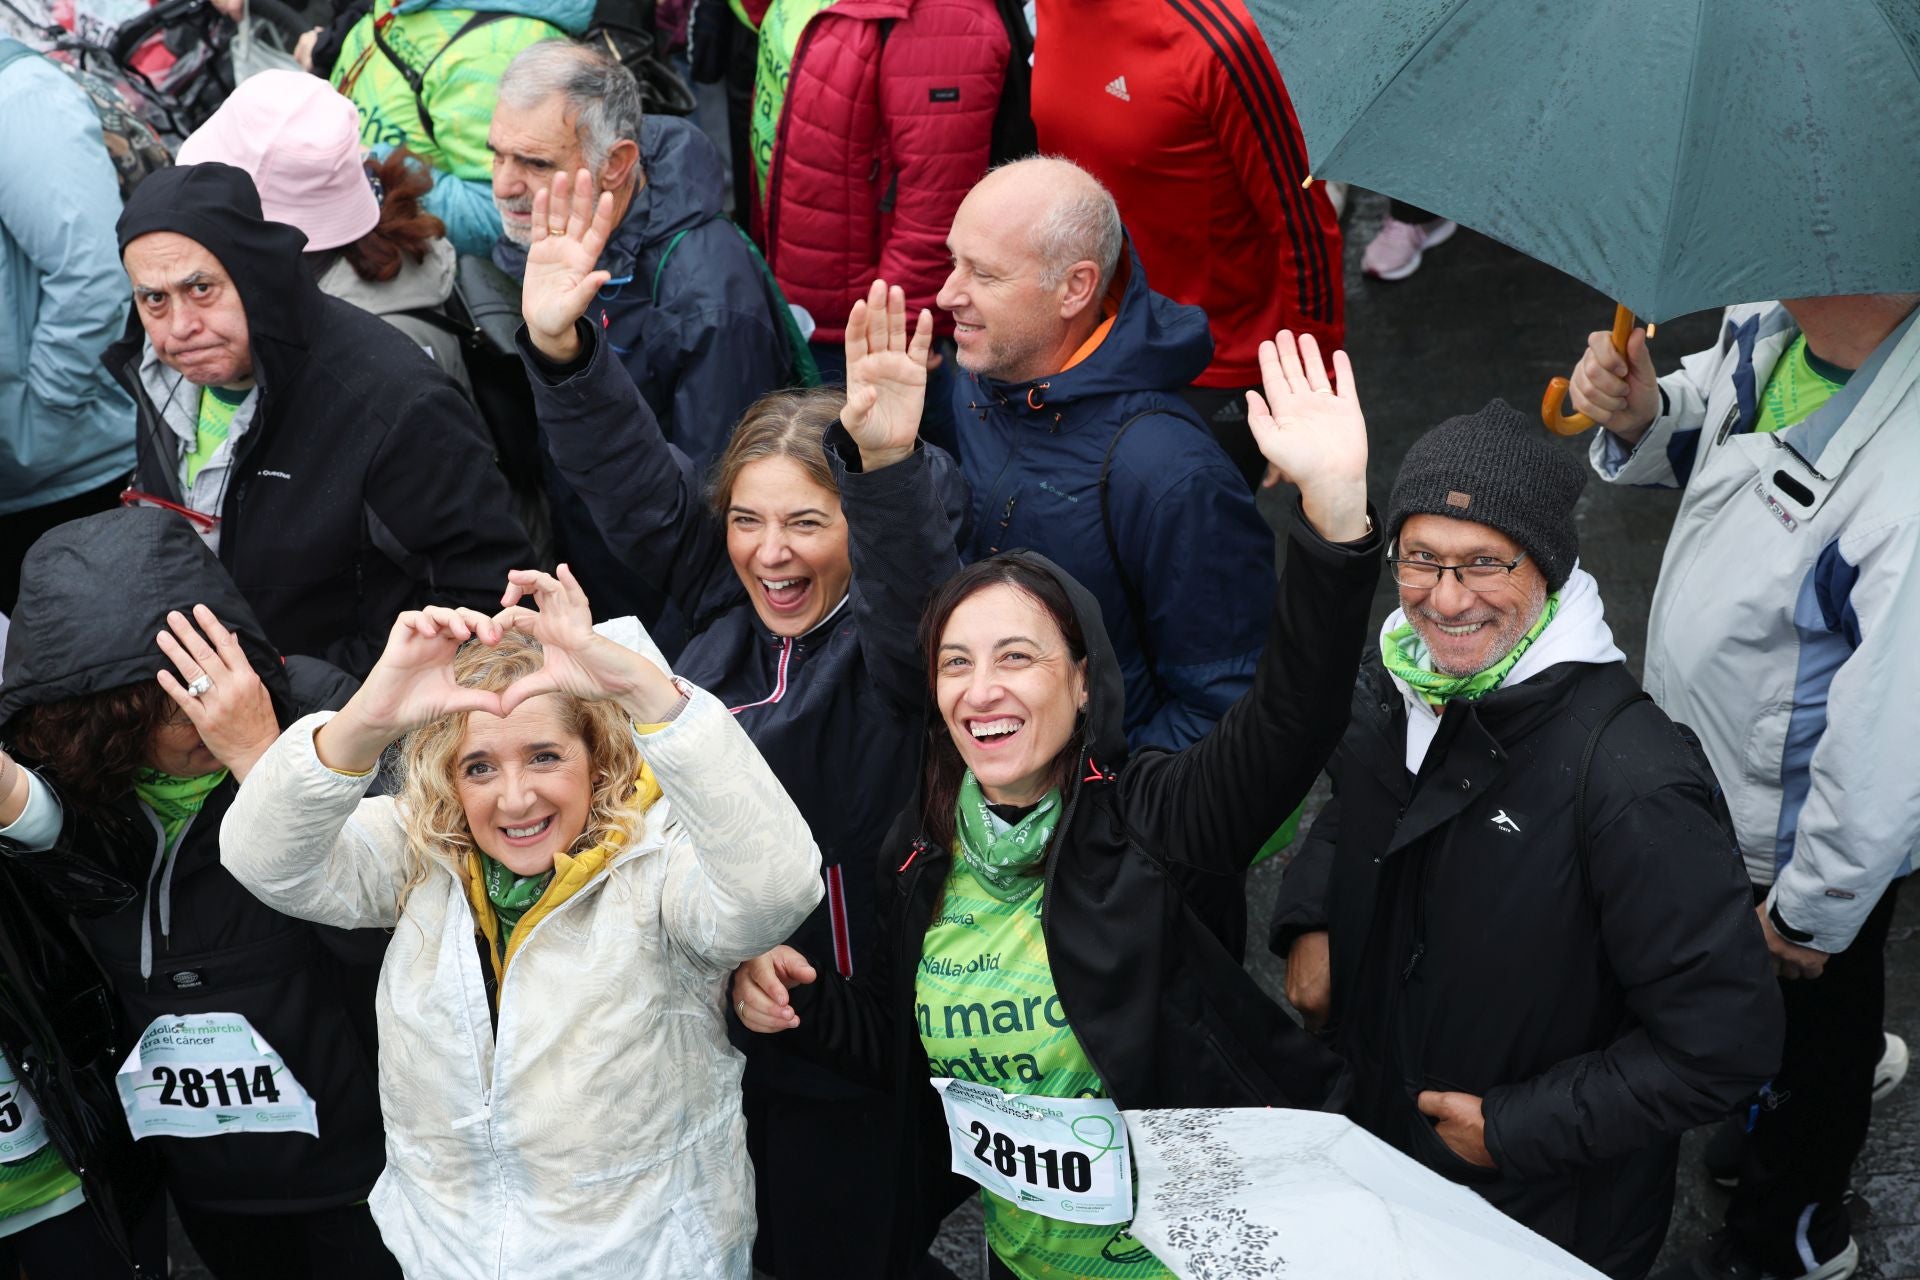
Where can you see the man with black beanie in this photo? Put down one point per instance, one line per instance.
(334, 468)
(1522, 915)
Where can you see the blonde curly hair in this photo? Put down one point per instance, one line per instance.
(429, 799)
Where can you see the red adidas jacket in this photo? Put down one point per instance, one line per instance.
(886, 127)
(1177, 107)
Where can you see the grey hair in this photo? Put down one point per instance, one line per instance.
(1082, 225)
(601, 95)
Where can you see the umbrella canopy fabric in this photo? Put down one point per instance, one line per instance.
(1254, 1193)
(1675, 154)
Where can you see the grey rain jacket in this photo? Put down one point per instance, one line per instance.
(1787, 615)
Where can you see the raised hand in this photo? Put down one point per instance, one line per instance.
(1313, 435)
(569, 230)
(578, 660)
(232, 712)
(886, 376)
(412, 684)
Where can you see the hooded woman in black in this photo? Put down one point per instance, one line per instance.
(132, 853)
(1118, 880)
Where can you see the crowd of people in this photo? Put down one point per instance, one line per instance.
(834, 650)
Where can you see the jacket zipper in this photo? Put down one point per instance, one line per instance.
(779, 680)
(1046, 916)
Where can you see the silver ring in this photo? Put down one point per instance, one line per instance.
(199, 685)
(740, 1008)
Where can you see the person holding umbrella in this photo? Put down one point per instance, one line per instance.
(1783, 625)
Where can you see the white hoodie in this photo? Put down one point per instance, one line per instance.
(1578, 633)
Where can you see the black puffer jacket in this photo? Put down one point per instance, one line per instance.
(365, 484)
(189, 939)
(1144, 901)
(1470, 953)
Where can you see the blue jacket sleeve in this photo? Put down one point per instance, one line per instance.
(638, 489)
(473, 222)
(65, 227)
(1202, 559)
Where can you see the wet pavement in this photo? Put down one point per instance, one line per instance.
(1479, 321)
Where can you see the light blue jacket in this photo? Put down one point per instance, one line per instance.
(65, 427)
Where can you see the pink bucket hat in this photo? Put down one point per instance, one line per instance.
(300, 140)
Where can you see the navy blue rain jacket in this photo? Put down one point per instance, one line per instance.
(711, 343)
(1188, 535)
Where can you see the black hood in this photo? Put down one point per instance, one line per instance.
(218, 207)
(94, 594)
(1106, 691)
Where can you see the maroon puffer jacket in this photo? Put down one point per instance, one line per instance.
(886, 127)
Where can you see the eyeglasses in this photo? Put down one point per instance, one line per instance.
(1481, 575)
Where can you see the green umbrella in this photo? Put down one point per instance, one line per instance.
(1675, 154)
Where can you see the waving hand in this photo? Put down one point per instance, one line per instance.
(563, 263)
(886, 376)
(1313, 435)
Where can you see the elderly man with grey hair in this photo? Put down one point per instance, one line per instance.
(1077, 443)
(687, 308)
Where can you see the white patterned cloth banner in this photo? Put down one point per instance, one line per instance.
(1266, 1193)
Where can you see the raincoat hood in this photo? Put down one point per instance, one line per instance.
(218, 207)
(1155, 343)
(95, 592)
(1106, 733)
(571, 16)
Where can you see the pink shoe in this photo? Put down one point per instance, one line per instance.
(1394, 253)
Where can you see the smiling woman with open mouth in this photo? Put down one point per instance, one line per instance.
(579, 849)
(1064, 921)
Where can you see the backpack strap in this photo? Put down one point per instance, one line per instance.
(1136, 604)
(417, 80)
(1581, 839)
(802, 369)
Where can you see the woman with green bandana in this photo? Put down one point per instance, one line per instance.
(1062, 924)
(580, 850)
(236, 1058)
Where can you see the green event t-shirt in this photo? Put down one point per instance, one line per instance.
(461, 86)
(41, 1177)
(217, 407)
(779, 40)
(1799, 384)
(988, 1012)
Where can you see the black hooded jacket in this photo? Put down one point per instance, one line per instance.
(1144, 903)
(365, 485)
(185, 937)
(1599, 1005)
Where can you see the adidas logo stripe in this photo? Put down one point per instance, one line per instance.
(1118, 88)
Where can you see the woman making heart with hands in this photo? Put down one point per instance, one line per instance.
(578, 849)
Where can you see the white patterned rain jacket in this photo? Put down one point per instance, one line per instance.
(598, 1135)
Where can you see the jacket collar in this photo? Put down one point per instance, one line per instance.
(1578, 634)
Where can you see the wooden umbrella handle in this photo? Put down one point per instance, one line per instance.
(1553, 404)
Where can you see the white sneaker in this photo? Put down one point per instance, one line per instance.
(1394, 253)
(1892, 1067)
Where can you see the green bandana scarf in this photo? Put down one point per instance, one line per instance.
(1004, 863)
(175, 800)
(510, 894)
(1406, 657)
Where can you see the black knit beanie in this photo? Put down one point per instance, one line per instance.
(1497, 468)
